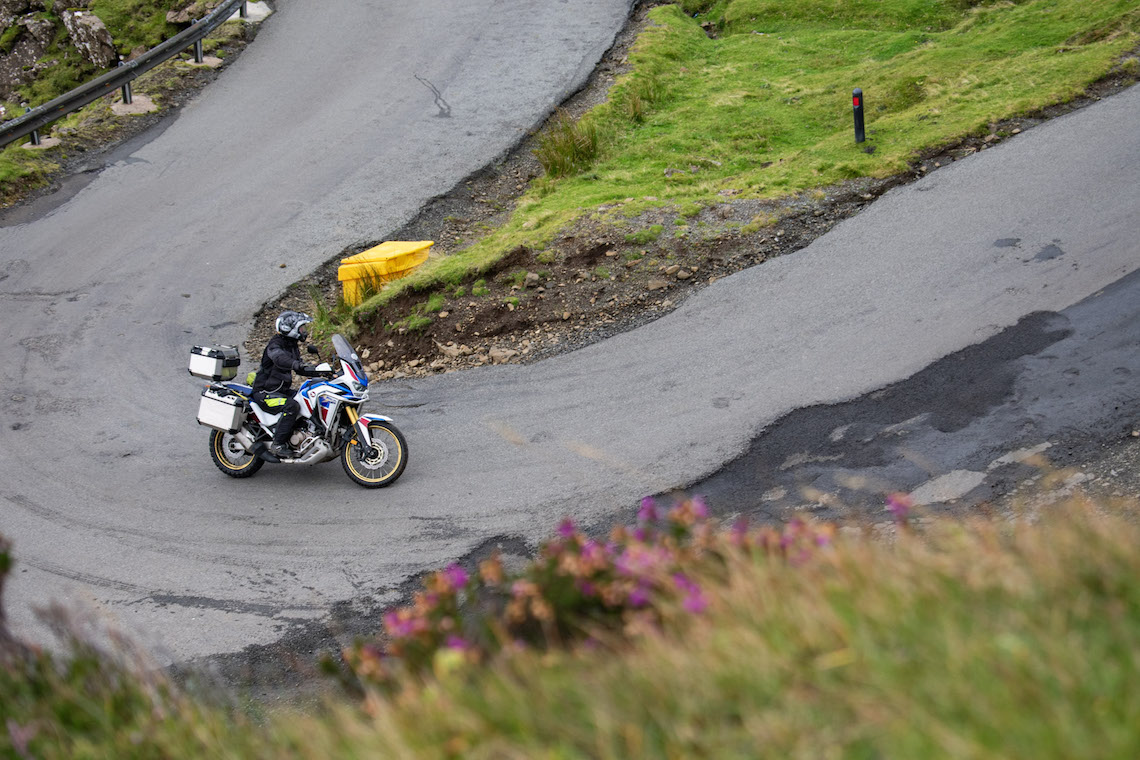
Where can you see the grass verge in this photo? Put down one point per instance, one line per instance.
(977, 639)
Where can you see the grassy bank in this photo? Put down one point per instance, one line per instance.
(978, 640)
(745, 99)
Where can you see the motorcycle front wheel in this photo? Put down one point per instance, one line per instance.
(230, 457)
(380, 464)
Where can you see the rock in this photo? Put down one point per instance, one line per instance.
(450, 351)
(365, 353)
(672, 270)
(684, 274)
(657, 284)
(611, 254)
(90, 36)
(414, 363)
(444, 314)
(502, 355)
(531, 280)
(189, 11)
(565, 316)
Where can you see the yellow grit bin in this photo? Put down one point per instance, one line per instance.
(388, 261)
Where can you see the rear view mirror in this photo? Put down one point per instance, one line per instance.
(312, 349)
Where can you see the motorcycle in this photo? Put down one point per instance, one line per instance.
(371, 448)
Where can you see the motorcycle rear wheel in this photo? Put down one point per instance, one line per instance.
(382, 463)
(230, 457)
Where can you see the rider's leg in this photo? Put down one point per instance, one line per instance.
(284, 428)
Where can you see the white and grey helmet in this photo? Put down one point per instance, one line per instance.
(290, 323)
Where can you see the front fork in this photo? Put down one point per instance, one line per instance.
(361, 438)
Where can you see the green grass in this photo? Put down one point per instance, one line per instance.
(975, 640)
(764, 110)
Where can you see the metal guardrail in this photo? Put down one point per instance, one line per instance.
(45, 114)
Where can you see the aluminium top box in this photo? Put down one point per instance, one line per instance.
(214, 362)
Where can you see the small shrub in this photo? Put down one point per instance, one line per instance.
(759, 222)
(479, 288)
(645, 236)
(602, 273)
(517, 277)
(545, 257)
(576, 589)
(567, 146)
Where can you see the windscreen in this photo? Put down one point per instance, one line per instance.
(347, 354)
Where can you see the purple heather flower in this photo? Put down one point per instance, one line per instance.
(400, 626)
(639, 597)
(695, 602)
(899, 505)
(456, 576)
(592, 550)
(700, 509)
(586, 588)
(682, 582)
(740, 530)
(648, 511)
(457, 642)
(566, 528)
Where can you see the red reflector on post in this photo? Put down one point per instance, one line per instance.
(855, 102)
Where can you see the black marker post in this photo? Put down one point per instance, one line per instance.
(857, 105)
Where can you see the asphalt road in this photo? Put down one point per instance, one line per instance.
(107, 489)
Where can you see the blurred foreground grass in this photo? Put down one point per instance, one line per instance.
(1004, 639)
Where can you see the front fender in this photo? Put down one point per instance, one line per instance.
(362, 427)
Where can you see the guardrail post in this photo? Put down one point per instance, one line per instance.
(198, 58)
(242, 12)
(35, 132)
(857, 105)
(126, 90)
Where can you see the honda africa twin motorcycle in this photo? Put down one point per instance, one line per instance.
(371, 449)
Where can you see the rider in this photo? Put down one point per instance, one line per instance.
(282, 357)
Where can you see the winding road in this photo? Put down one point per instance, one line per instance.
(321, 136)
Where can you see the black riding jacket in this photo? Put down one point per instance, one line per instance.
(282, 357)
